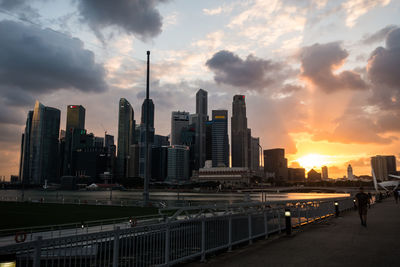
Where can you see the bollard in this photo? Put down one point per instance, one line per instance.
(336, 209)
(354, 204)
(288, 219)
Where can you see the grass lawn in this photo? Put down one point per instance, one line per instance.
(25, 214)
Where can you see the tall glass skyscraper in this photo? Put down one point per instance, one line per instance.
(40, 149)
(126, 137)
(75, 117)
(178, 164)
(179, 120)
(239, 132)
(75, 124)
(200, 119)
(143, 135)
(25, 146)
(220, 141)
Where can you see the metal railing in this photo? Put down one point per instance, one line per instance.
(172, 241)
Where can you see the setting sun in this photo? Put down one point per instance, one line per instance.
(313, 161)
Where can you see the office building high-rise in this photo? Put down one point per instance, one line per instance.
(239, 132)
(249, 148)
(75, 117)
(25, 146)
(98, 141)
(40, 149)
(296, 174)
(126, 137)
(75, 123)
(179, 120)
(188, 138)
(255, 154)
(313, 176)
(275, 162)
(383, 166)
(200, 121)
(324, 170)
(161, 140)
(142, 140)
(209, 140)
(178, 164)
(220, 141)
(159, 163)
(111, 151)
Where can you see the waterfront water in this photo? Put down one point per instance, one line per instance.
(166, 197)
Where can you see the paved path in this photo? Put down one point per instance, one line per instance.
(334, 242)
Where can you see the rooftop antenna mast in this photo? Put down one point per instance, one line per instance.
(146, 152)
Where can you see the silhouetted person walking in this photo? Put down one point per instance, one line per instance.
(362, 200)
(396, 196)
(369, 199)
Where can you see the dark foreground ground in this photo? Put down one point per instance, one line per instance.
(334, 242)
(25, 214)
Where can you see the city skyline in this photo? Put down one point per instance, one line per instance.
(339, 115)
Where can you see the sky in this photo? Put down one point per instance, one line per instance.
(321, 78)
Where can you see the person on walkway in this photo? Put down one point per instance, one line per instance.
(369, 200)
(362, 200)
(396, 196)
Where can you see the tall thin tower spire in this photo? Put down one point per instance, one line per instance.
(146, 161)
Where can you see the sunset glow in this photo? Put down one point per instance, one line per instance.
(311, 161)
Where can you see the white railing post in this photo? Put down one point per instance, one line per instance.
(298, 215)
(167, 243)
(250, 229)
(266, 224)
(203, 239)
(37, 252)
(116, 247)
(230, 234)
(279, 221)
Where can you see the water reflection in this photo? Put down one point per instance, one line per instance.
(129, 197)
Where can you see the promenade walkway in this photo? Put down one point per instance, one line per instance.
(334, 242)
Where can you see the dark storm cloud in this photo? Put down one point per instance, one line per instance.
(10, 115)
(138, 17)
(38, 61)
(318, 63)
(384, 63)
(378, 36)
(20, 8)
(252, 73)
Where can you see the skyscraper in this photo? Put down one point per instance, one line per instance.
(275, 162)
(143, 136)
(383, 166)
(200, 121)
(255, 154)
(324, 170)
(179, 120)
(75, 117)
(249, 148)
(39, 160)
(239, 133)
(126, 136)
(178, 163)
(220, 141)
(75, 123)
(25, 146)
(188, 138)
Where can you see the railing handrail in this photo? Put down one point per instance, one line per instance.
(137, 229)
(86, 223)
